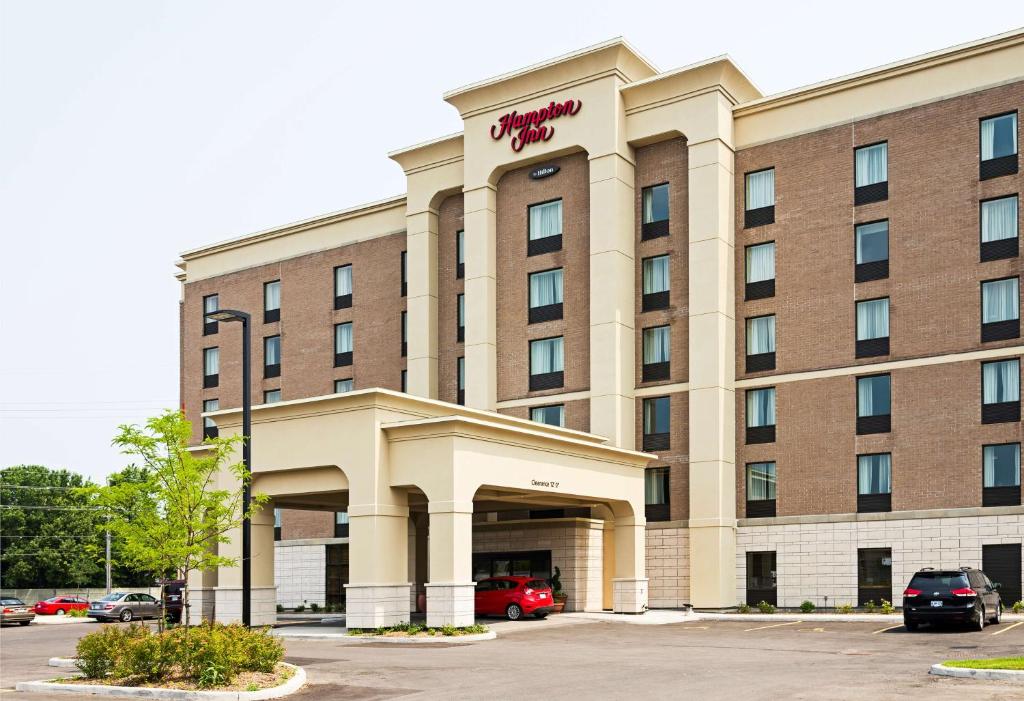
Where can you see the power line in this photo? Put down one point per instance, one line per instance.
(98, 535)
(52, 508)
(28, 486)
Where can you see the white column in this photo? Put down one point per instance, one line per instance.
(421, 303)
(451, 590)
(481, 298)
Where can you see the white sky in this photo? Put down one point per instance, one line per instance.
(134, 130)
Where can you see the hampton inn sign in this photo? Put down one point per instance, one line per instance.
(530, 127)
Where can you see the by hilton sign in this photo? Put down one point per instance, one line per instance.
(530, 127)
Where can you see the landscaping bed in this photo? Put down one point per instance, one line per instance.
(412, 630)
(1014, 663)
(243, 681)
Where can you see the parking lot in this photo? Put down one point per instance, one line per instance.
(572, 657)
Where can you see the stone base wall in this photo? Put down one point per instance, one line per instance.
(375, 605)
(300, 573)
(815, 560)
(668, 565)
(576, 547)
(263, 602)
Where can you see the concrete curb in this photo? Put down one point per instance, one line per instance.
(895, 618)
(987, 674)
(62, 662)
(396, 640)
(297, 681)
(61, 620)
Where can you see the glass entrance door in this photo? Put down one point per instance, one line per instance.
(874, 575)
(337, 573)
(761, 578)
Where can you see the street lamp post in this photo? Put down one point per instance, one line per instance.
(235, 315)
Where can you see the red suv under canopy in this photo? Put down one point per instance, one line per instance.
(513, 597)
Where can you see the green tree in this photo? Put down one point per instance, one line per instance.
(48, 530)
(170, 515)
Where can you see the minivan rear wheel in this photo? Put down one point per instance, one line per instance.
(999, 614)
(979, 621)
(910, 625)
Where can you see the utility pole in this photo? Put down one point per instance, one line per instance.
(109, 583)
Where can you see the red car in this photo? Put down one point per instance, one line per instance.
(513, 597)
(60, 605)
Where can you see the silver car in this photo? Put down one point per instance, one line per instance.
(15, 611)
(125, 606)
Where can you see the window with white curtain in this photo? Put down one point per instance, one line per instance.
(271, 396)
(760, 262)
(405, 326)
(656, 485)
(760, 188)
(656, 416)
(546, 356)
(546, 288)
(999, 219)
(272, 350)
(655, 275)
(210, 405)
(1002, 465)
(460, 246)
(545, 220)
(761, 335)
(211, 303)
(760, 481)
(873, 319)
(1000, 301)
(874, 474)
(871, 164)
(211, 361)
(657, 345)
(460, 312)
(1000, 381)
(341, 386)
(655, 203)
(998, 136)
(343, 337)
(272, 295)
(343, 280)
(760, 407)
(460, 372)
(550, 415)
(874, 396)
(872, 242)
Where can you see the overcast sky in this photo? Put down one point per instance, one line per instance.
(134, 130)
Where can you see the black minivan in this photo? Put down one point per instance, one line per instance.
(965, 595)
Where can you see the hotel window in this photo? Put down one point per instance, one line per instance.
(277, 524)
(209, 427)
(872, 251)
(762, 577)
(545, 228)
(874, 483)
(343, 344)
(460, 372)
(874, 404)
(999, 228)
(460, 254)
(211, 367)
(405, 334)
(655, 215)
(761, 415)
(551, 415)
(656, 494)
(760, 271)
(343, 287)
(1000, 391)
(547, 364)
(342, 386)
(405, 381)
(545, 296)
(211, 303)
(760, 198)
(761, 343)
(760, 489)
(871, 176)
(271, 301)
(998, 146)
(341, 524)
(657, 353)
(656, 423)
(405, 274)
(1001, 475)
(460, 318)
(1000, 309)
(872, 328)
(874, 575)
(655, 283)
(271, 396)
(272, 356)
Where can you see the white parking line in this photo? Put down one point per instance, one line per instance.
(774, 625)
(1003, 630)
(876, 632)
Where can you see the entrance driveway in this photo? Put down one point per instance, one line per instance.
(598, 660)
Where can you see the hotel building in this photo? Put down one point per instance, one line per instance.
(689, 344)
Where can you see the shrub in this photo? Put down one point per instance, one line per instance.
(475, 629)
(280, 608)
(765, 607)
(844, 608)
(77, 613)
(99, 654)
(743, 608)
(887, 607)
(147, 657)
(300, 608)
(807, 606)
(870, 607)
(1018, 607)
(314, 607)
(449, 630)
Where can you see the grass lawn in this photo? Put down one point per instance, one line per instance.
(994, 663)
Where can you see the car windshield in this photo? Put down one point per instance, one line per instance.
(939, 581)
(537, 584)
(11, 602)
(113, 596)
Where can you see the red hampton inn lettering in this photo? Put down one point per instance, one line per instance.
(530, 127)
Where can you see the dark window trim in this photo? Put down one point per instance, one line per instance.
(876, 423)
(342, 301)
(875, 270)
(760, 508)
(762, 289)
(548, 244)
(210, 327)
(270, 315)
(531, 341)
(273, 370)
(211, 380)
(1000, 496)
(335, 281)
(404, 272)
(759, 362)
(874, 503)
(657, 441)
(762, 216)
(547, 380)
(460, 268)
(655, 230)
(653, 301)
(1001, 165)
(643, 189)
(875, 192)
(1001, 248)
(872, 347)
(1000, 412)
(998, 330)
(654, 372)
(548, 312)
(761, 434)
(342, 359)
